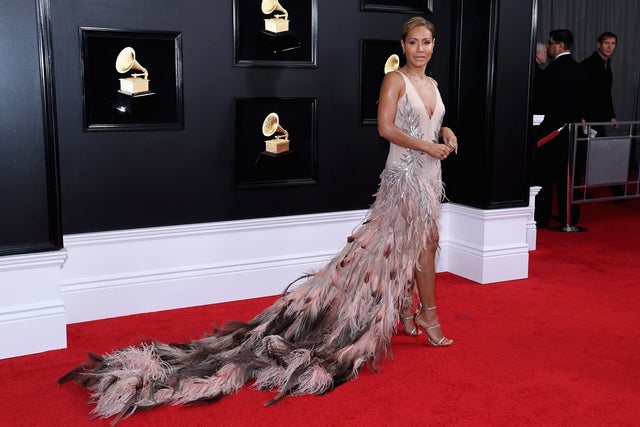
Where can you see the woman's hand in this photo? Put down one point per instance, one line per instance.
(450, 139)
(439, 151)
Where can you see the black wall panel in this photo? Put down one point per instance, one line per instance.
(116, 180)
(113, 180)
(29, 210)
(508, 183)
(492, 114)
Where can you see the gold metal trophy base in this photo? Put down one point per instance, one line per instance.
(276, 25)
(277, 146)
(133, 85)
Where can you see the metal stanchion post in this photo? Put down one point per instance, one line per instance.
(571, 159)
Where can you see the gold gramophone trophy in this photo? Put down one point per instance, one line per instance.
(134, 90)
(276, 35)
(392, 63)
(278, 144)
(277, 23)
(125, 62)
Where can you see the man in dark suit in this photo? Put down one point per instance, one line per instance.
(562, 95)
(599, 103)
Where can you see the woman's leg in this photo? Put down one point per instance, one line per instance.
(427, 317)
(407, 318)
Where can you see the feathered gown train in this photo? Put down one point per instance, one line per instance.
(317, 335)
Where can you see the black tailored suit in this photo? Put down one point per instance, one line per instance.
(562, 99)
(599, 103)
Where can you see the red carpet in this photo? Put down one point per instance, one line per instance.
(558, 349)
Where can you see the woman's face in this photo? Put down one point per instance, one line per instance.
(418, 46)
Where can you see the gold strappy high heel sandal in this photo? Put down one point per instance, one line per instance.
(442, 342)
(415, 331)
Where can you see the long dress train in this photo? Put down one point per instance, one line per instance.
(318, 334)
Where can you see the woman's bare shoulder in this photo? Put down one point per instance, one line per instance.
(394, 82)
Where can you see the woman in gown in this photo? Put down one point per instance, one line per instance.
(320, 333)
(410, 113)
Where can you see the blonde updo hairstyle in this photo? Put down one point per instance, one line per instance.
(418, 21)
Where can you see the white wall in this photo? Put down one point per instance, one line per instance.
(32, 317)
(108, 274)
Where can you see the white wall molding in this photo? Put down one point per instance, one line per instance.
(116, 273)
(488, 246)
(32, 316)
(131, 271)
(532, 229)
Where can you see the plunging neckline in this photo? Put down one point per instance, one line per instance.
(424, 104)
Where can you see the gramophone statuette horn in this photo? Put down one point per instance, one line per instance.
(279, 143)
(392, 63)
(125, 62)
(269, 6)
(278, 22)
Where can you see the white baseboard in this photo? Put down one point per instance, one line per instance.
(134, 271)
(32, 317)
(532, 229)
(488, 246)
(109, 274)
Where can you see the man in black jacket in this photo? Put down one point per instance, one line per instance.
(562, 95)
(599, 103)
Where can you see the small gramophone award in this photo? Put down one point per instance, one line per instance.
(134, 87)
(276, 35)
(392, 63)
(278, 144)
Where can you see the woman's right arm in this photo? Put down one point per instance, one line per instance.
(391, 90)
